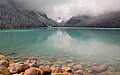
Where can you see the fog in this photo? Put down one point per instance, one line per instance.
(65, 9)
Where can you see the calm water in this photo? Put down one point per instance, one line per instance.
(92, 46)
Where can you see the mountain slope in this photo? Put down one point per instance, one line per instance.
(13, 16)
(107, 20)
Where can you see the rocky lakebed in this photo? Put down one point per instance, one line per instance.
(11, 64)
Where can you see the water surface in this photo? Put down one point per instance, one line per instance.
(93, 46)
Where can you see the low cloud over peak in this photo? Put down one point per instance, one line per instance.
(67, 8)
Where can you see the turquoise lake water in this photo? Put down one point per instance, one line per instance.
(94, 46)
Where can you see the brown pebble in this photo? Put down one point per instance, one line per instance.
(4, 71)
(32, 63)
(4, 63)
(2, 57)
(77, 67)
(60, 74)
(67, 69)
(17, 67)
(95, 68)
(58, 70)
(45, 70)
(33, 71)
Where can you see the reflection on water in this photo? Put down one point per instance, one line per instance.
(94, 45)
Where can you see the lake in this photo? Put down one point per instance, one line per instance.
(63, 46)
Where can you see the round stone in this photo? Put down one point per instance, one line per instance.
(4, 71)
(33, 71)
(2, 57)
(4, 63)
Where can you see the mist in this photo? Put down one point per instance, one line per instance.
(65, 9)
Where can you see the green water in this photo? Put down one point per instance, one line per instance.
(94, 46)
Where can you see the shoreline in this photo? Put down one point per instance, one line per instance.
(27, 28)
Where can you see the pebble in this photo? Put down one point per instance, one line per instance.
(23, 67)
(77, 67)
(18, 67)
(60, 74)
(67, 69)
(109, 72)
(102, 73)
(4, 63)
(89, 70)
(45, 70)
(69, 61)
(4, 71)
(58, 70)
(71, 64)
(33, 71)
(2, 57)
(79, 72)
(1, 52)
(82, 63)
(11, 53)
(103, 67)
(32, 63)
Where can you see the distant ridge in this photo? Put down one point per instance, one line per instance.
(110, 20)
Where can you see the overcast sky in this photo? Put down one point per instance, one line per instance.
(68, 8)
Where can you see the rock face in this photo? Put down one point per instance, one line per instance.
(74, 21)
(12, 15)
(107, 20)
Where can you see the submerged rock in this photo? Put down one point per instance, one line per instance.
(1, 52)
(13, 68)
(89, 70)
(102, 73)
(11, 53)
(109, 73)
(77, 67)
(83, 63)
(17, 68)
(96, 68)
(116, 73)
(103, 67)
(23, 67)
(57, 70)
(70, 64)
(33, 71)
(67, 69)
(4, 63)
(4, 71)
(60, 74)
(32, 63)
(2, 57)
(45, 70)
(69, 61)
(79, 72)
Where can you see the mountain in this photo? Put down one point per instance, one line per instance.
(110, 20)
(12, 15)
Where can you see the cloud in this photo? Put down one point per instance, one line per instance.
(68, 8)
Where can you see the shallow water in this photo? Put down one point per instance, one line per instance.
(64, 45)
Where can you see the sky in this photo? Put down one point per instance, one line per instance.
(66, 9)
